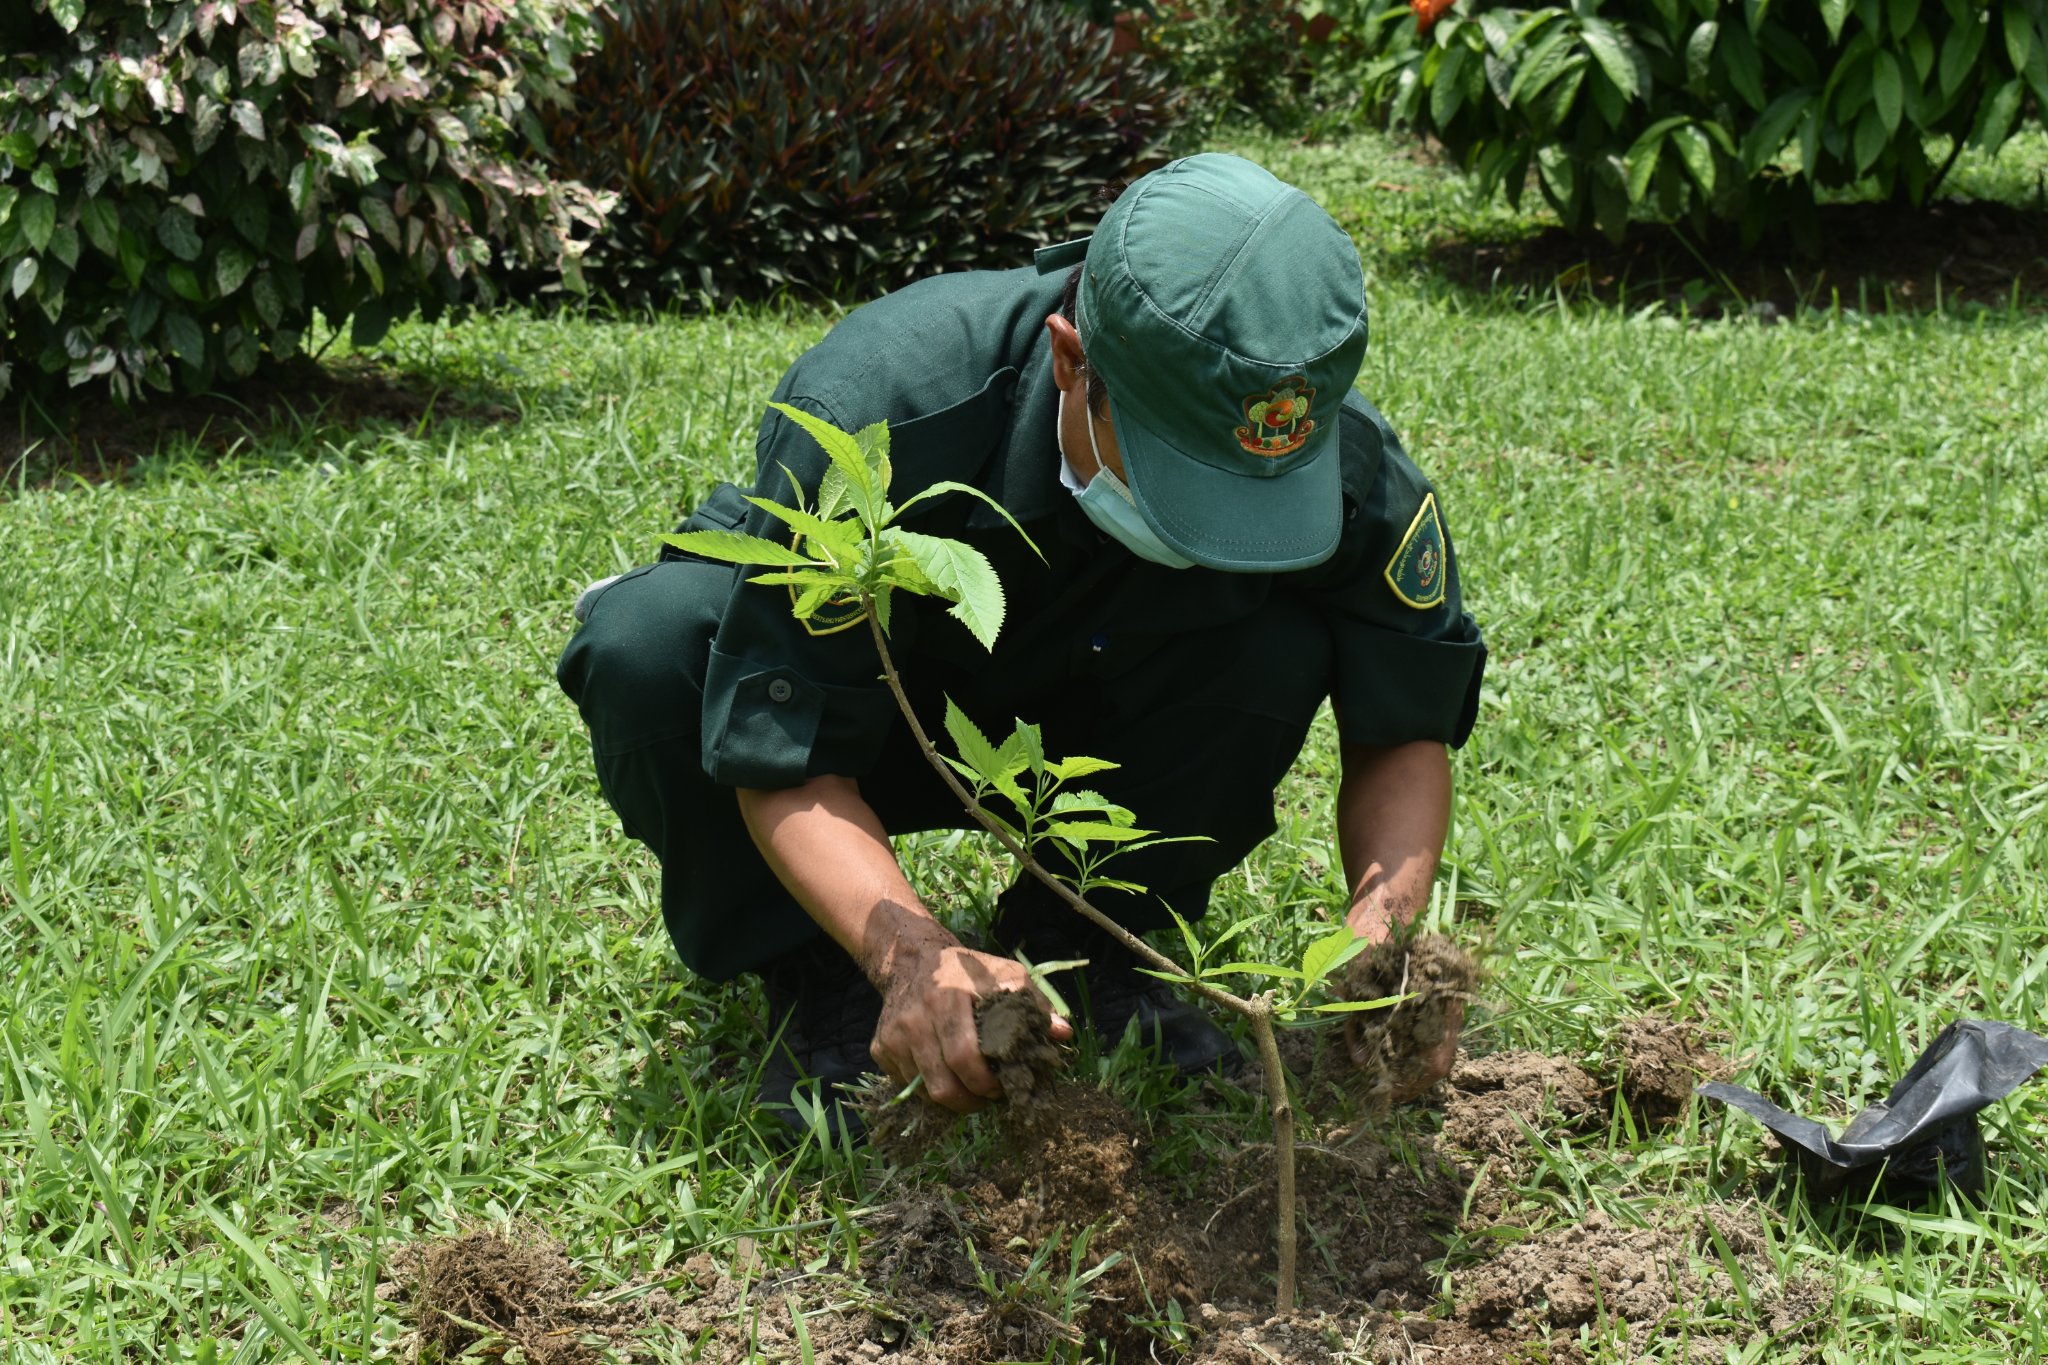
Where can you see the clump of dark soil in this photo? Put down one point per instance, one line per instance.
(1661, 1061)
(1496, 1101)
(1391, 1046)
(1655, 1280)
(523, 1294)
(1016, 1037)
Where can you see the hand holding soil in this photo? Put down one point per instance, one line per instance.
(930, 988)
(1405, 1049)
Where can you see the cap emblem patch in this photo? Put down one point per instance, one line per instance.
(1416, 572)
(1277, 421)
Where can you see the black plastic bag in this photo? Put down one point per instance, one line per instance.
(1925, 1131)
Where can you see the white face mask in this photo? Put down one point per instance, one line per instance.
(1111, 507)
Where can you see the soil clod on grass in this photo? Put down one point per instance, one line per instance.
(1016, 1037)
(1661, 1061)
(1389, 1046)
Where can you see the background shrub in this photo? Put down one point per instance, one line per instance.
(847, 146)
(186, 182)
(1735, 110)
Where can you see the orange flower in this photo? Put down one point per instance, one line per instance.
(1427, 12)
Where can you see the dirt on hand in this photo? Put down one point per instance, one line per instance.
(1391, 1047)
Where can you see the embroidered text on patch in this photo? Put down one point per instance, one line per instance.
(1416, 572)
(1277, 420)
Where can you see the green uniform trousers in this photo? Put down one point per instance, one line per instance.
(1204, 729)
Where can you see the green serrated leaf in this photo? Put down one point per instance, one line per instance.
(974, 747)
(949, 486)
(840, 541)
(1067, 769)
(964, 577)
(1329, 952)
(1080, 833)
(735, 547)
(844, 451)
(873, 440)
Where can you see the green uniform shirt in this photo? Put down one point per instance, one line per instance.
(960, 367)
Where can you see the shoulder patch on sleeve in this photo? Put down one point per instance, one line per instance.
(1416, 572)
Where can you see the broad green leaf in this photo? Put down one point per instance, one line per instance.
(25, 272)
(1081, 833)
(38, 216)
(1330, 952)
(1888, 87)
(1447, 90)
(1835, 13)
(1994, 125)
(1615, 52)
(1697, 155)
(1255, 969)
(832, 499)
(1870, 139)
(2019, 34)
(839, 540)
(9, 196)
(184, 282)
(1067, 769)
(231, 269)
(176, 230)
(1959, 55)
(1904, 14)
(873, 440)
(1699, 52)
(735, 547)
(1920, 53)
(1768, 135)
(844, 451)
(1031, 740)
(975, 749)
(1560, 174)
(949, 486)
(1081, 800)
(187, 341)
(102, 224)
(964, 576)
(269, 300)
(1745, 65)
(1642, 157)
(67, 13)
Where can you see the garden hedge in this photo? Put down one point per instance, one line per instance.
(1736, 110)
(843, 147)
(184, 182)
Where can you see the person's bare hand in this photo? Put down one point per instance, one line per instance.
(927, 1025)
(1434, 1065)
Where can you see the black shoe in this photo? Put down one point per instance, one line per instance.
(826, 1013)
(1112, 993)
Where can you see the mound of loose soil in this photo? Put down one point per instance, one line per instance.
(1497, 1100)
(1661, 1061)
(1059, 1238)
(1391, 1046)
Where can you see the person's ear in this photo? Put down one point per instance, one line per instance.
(1068, 359)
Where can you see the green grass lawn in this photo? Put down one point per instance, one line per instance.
(322, 939)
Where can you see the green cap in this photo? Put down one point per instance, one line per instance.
(1225, 313)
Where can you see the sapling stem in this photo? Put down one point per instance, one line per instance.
(1258, 1010)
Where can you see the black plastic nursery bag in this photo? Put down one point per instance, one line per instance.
(1923, 1132)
